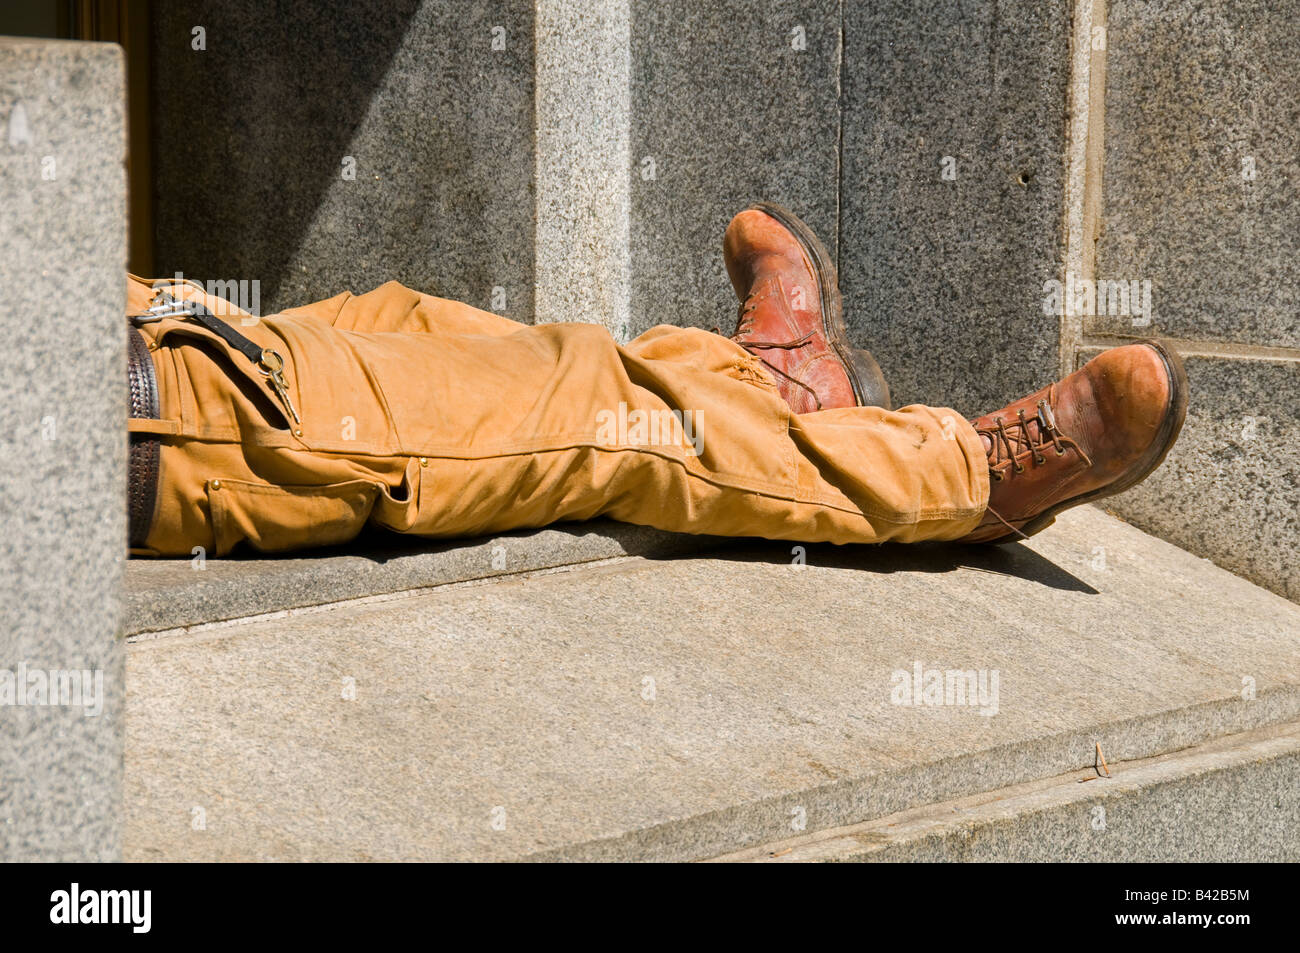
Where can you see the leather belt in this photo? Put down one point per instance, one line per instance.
(146, 449)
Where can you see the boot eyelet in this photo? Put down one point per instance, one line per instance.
(1040, 460)
(1019, 468)
(1060, 453)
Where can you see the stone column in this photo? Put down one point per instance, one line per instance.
(583, 162)
(62, 469)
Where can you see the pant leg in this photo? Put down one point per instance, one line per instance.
(477, 425)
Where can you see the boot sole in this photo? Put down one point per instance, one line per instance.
(869, 386)
(1170, 427)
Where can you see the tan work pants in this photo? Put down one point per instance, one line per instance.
(430, 417)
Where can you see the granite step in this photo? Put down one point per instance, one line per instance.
(164, 595)
(688, 707)
(1234, 799)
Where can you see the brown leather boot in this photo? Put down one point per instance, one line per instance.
(1098, 432)
(791, 315)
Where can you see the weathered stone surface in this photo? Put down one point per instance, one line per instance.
(252, 137)
(943, 278)
(1231, 800)
(732, 102)
(1230, 488)
(1202, 176)
(163, 594)
(681, 709)
(63, 464)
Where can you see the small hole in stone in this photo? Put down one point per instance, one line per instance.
(1024, 178)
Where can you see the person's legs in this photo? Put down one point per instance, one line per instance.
(478, 425)
(431, 417)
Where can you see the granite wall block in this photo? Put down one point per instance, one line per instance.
(317, 147)
(1201, 188)
(951, 193)
(731, 103)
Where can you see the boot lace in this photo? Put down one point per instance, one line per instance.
(1026, 437)
(1008, 443)
(743, 327)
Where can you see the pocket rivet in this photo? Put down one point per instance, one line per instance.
(424, 461)
(297, 433)
(216, 484)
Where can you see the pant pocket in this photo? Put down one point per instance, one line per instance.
(397, 509)
(277, 518)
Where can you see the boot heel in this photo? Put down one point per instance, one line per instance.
(868, 380)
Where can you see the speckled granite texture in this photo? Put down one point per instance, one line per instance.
(1234, 799)
(647, 710)
(63, 465)
(943, 277)
(1201, 197)
(1202, 178)
(166, 594)
(732, 102)
(1230, 488)
(583, 166)
(609, 204)
(252, 135)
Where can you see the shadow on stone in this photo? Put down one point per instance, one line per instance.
(250, 131)
(1013, 559)
(168, 593)
(379, 547)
